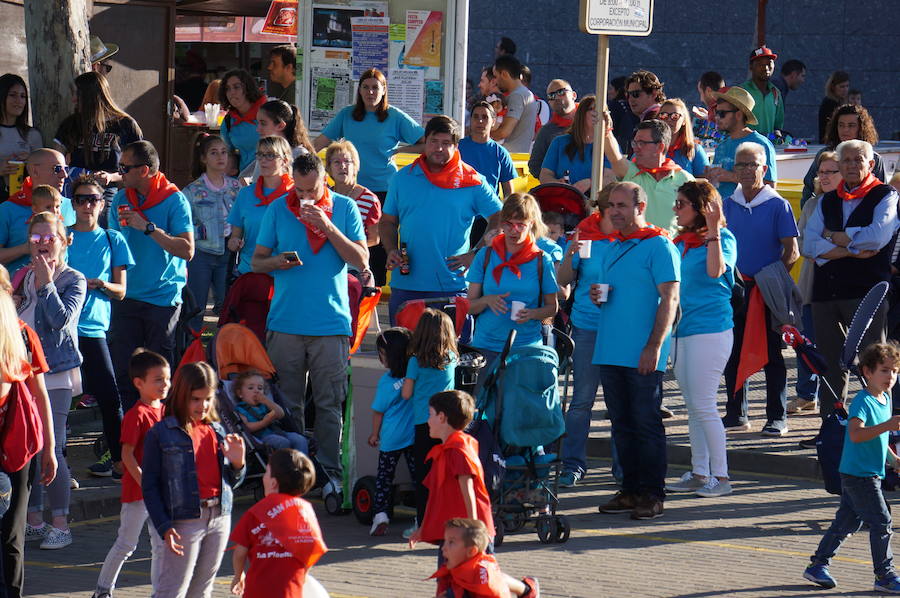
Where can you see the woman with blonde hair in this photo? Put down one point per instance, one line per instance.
(684, 149)
(342, 165)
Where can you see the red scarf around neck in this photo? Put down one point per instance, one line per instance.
(677, 145)
(867, 184)
(590, 229)
(250, 115)
(292, 521)
(287, 184)
(564, 122)
(480, 575)
(160, 189)
(22, 197)
(691, 240)
(465, 443)
(648, 232)
(454, 175)
(314, 236)
(665, 167)
(528, 252)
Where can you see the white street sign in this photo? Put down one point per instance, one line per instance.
(617, 17)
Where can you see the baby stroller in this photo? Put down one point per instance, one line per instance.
(564, 199)
(519, 423)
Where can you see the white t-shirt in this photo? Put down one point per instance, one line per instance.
(11, 141)
(521, 105)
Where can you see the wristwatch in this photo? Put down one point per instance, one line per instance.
(828, 235)
(150, 228)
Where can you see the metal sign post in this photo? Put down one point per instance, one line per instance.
(604, 18)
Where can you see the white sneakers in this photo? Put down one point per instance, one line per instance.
(56, 539)
(714, 488)
(379, 525)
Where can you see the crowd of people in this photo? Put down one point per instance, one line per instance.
(682, 260)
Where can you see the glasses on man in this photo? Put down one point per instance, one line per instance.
(37, 239)
(557, 93)
(87, 198)
(266, 156)
(60, 169)
(669, 115)
(635, 93)
(516, 226)
(126, 168)
(724, 113)
(746, 165)
(640, 144)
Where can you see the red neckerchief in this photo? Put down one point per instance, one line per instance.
(22, 197)
(160, 189)
(867, 184)
(287, 183)
(677, 145)
(691, 240)
(250, 115)
(466, 444)
(528, 252)
(648, 232)
(665, 167)
(590, 229)
(480, 575)
(292, 521)
(454, 175)
(563, 122)
(315, 237)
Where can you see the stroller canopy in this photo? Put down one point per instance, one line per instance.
(238, 350)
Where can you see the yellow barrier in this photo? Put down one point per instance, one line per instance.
(791, 190)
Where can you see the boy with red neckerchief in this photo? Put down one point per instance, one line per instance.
(456, 482)
(280, 534)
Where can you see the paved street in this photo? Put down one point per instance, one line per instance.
(754, 543)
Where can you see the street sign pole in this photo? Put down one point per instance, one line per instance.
(600, 107)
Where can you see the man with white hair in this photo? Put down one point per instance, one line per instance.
(766, 232)
(851, 234)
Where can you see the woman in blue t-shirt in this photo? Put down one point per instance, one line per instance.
(703, 337)
(241, 98)
(569, 157)
(684, 149)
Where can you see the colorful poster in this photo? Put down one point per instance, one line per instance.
(370, 44)
(331, 26)
(253, 32)
(423, 37)
(397, 52)
(407, 91)
(281, 18)
(331, 87)
(434, 97)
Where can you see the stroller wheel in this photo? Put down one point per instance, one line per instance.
(499, 532)
(333, 504)
(563, 529)
(364, 499)
(547, 529)
(516, 521)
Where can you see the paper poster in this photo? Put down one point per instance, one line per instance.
(406, 91)
(423, 37)
(370, 44)
(330, 91)
(253, 32)
(434, 97)
(397, 52)
(331, 26)
(281, 18)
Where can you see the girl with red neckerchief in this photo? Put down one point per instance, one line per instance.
(683, 149)
(242, 99)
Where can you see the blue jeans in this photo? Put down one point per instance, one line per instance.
(100, 381)
(207, 271)
(633, 401)
(861, 502)
(807, 383)
(280, 440)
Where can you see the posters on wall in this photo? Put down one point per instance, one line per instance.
(331, 90)
(332, 27)
(253, 32)
(281, 18)
(423, 37)
(397, 52)
(407, 91)
(434, 97)
(370, 44)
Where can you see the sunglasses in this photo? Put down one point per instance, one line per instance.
(516, 226)
(60, 168)
(635, 93)
(668, 115)
(80, 200)
(37, 239)
(682, 203)
(126, 168)
(558, 93)
(724, 113)
(266, 156)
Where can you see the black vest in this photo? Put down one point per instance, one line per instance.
(851, 278)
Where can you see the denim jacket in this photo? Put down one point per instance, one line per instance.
(209, 211)
(169, 479)
(56, 314)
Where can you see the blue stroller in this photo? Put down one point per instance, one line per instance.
(519, 423)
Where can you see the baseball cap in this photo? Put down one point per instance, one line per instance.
(763, 52)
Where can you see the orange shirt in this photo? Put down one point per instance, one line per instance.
(135, 425)
(206, 460)
(479, 577)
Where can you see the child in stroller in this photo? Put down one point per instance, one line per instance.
(260, 414)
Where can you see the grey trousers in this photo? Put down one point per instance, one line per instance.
(192, 575)
(324, 360)
(59, 491)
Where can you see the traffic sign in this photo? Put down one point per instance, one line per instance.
(616, 17)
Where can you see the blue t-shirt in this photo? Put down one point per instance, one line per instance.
(429, 381)
(375, 141)
(242, 137)
(491, 330)
(14, 231)
(310, 299)
(585, 314)
(705, 301)
(724, 157)
(248, 216)
(255, 413)
(158, 276)
(559, 162)
(551, 248)
(397, 428)
(759, 232)
(95, 254)
(633, 270)
(435, 225)
(695, 166)
(490, 159)
(866, 459)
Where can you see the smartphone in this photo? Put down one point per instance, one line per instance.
(291, 256)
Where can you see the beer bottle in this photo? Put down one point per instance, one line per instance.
(404, 259)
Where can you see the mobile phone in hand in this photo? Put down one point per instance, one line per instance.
(291, 256)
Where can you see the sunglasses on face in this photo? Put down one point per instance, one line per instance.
(126, 168)
(558, 93)
(92, 199)
(60, 169)
(516, 226)
(37, 239)
(668, 115)
(724, 113)
(682, 203)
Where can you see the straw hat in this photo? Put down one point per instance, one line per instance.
(741, 99)
(101, 51)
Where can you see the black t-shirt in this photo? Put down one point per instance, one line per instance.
(105, 148)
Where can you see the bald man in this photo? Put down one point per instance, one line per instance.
(45, 167)
(562, 102)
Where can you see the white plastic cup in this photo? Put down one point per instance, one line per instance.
(603, 288)
(584, 250)
(517, 306)
(306, 202)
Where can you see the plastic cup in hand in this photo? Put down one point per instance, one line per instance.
(584, 250)
(602, 290)
(306, 203)
(517, 306)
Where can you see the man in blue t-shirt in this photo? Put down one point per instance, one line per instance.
(485, 155)
(430, 207)
(306, 240)
(636, 310)
(155, 219)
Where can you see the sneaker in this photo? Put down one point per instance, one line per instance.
(774, 429)
(809, 443)
(379, 525)
(33, 533)
(687, 483)
(820, 575)
(569, 479)
(715, 487)
(532, 588)
(666, 413)
(86, 402)
(56, 539)
(73, 483)
(101, 595)
(102, 468)
(888, 585)
(648, 507)
(736, 426)
(799, 405)
(622, 502)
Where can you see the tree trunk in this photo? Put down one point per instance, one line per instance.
(58, 41)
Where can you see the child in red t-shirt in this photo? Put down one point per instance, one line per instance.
(280, 533)
(456, 480)
(150, 374)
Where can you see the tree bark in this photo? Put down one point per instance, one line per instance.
(58, 42)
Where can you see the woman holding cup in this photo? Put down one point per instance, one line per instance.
(512, 283)
(703, 336)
